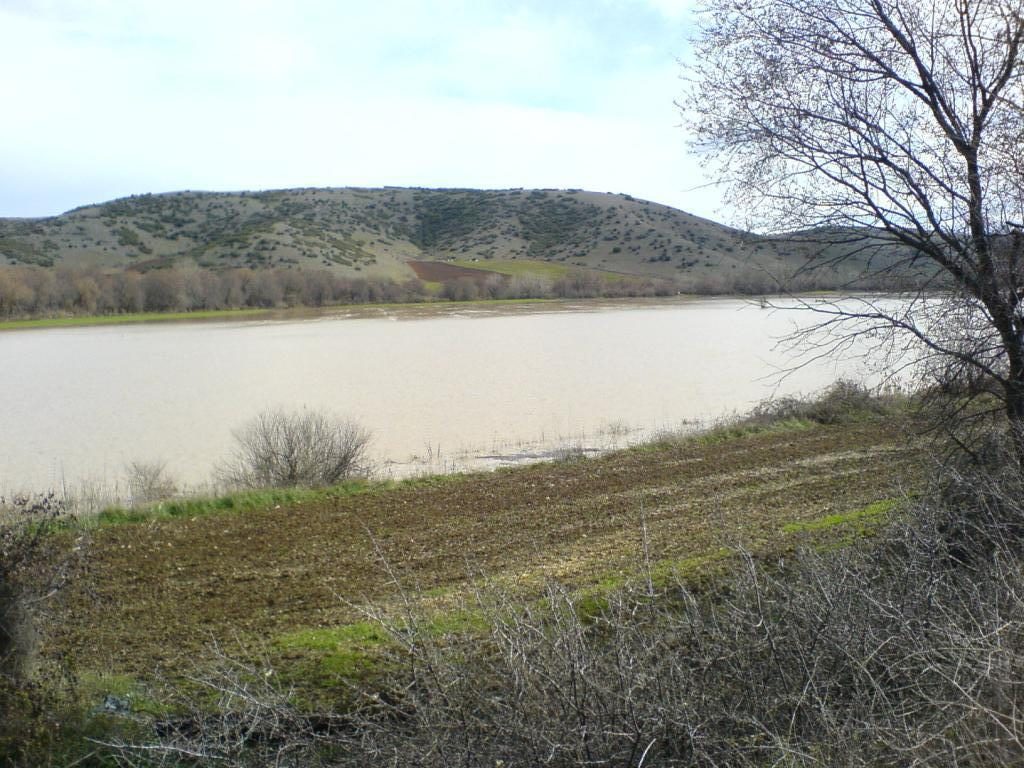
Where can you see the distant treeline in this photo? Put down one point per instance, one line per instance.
(750, 281)
(34, 292)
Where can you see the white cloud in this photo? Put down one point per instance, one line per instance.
(673, 9)
(122, 97)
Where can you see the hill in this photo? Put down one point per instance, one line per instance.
(376, 233)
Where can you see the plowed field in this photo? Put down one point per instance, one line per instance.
(156, 593)
(440, 271)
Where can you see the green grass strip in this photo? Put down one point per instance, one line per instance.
(78, 321)
(268, 498)
(240, 501)
(749, 429)
(872, 513)
(75, 321)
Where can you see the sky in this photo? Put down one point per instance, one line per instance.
(107, 98)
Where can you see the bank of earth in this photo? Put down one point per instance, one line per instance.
(282, 577)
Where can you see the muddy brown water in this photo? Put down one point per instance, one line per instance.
(442, 389)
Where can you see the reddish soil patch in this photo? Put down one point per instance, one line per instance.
(159, 262)
(442, 272)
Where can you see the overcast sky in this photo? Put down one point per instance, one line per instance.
(106, 98)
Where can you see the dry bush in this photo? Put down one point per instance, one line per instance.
(569, 452)
(33, 568)
(278, 449)
(840, 402)
(149, 481)
(24, 544)
(245, 718)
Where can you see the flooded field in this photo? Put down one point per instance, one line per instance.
(441, 390)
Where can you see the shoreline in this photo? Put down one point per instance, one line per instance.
(357, 311)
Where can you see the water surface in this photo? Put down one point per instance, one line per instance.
(461, 388)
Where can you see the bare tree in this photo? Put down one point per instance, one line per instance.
(149, 481)
(163, 290)
(307, 448)
(890, 133)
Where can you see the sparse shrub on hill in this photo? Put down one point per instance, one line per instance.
(278, 449)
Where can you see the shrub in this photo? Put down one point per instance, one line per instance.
(842, 402)
(23, 542)
(149, 481)
(34, 566)
(278, 449)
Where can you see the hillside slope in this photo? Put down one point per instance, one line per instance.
(376, 232)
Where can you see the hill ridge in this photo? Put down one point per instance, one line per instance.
(376, 231)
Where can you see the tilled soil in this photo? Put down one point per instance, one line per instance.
(440, 271)
(155, 594)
